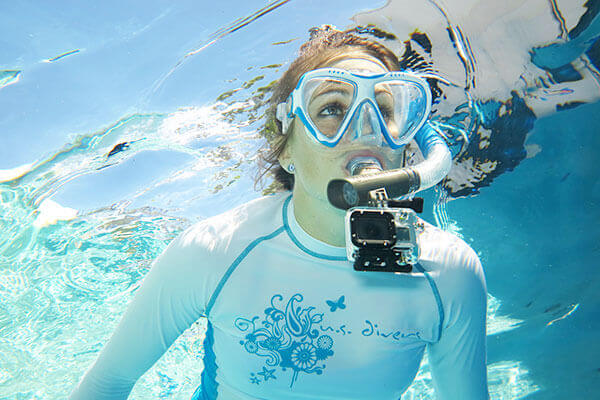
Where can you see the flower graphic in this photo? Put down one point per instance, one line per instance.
(324, 342)
(251, 347)
(304, 356)
(270, 343)
(287, 337)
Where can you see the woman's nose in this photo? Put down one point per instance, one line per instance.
(368, 131)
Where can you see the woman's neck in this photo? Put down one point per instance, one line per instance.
(319, 218)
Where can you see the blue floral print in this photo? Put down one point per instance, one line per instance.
(287, 338)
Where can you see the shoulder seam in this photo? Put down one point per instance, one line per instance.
(234, 265)
(438, 299)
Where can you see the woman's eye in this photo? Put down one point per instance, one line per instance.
(331, 110)
(385, 112)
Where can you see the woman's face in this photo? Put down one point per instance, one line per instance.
(316, 164)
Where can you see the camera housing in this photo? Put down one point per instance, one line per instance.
(382, 238)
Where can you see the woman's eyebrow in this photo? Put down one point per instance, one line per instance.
(379, 90)
(330, 88)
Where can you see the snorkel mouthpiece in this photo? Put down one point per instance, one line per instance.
(358, 166)
(364, 165)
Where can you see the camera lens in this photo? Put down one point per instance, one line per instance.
(372, 229)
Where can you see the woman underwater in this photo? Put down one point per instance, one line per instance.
(288, 316)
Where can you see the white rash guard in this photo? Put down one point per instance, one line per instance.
(289, 317)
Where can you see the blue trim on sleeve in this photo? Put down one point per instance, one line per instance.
(437, 296)
(208, 386)
(297, 242)
(234, 265)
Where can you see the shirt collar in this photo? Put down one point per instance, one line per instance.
(304, 241)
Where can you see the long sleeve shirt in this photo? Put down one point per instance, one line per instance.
(289, 317)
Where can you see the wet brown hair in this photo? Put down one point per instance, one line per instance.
(324, 44)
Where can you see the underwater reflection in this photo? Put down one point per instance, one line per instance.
(66, 275)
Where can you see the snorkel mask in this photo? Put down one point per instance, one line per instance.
(380, 109)
(387, 109)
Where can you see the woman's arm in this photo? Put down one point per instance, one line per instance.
(168, 302)
(458, 359)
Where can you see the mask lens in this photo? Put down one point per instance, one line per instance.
(403, 105)
(327, 102)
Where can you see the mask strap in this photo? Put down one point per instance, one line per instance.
(283, 116)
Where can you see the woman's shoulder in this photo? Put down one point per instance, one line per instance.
(196, 260)
(252, 219)
(449, 258)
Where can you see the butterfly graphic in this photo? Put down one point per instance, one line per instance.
(334, 305)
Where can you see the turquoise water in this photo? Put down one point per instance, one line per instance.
(121, 128)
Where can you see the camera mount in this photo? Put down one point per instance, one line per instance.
(381, 235)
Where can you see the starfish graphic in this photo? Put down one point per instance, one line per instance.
(255, 380)
(267, 373)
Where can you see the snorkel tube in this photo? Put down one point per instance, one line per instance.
(354, 191)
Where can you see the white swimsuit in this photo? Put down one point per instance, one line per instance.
(289, 318)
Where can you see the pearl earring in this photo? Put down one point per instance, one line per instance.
(290, 168)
